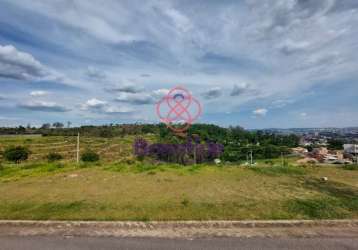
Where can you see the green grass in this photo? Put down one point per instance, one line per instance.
(119, 187)
(279, 170)
(12, 172)
(144, 191)
(351, 167)
(319, 208)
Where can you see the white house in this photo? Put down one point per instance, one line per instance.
(351, 148)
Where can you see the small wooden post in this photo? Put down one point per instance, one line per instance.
(78, 148)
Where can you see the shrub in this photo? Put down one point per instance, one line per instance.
(16, 154)
(89, 156)
(51, 157)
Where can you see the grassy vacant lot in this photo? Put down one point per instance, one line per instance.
(140, 191)
(120, 188)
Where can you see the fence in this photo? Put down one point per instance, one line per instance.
(109, 149)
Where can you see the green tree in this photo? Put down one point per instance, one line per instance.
(46, 126)
(335, 144)
(58, 125)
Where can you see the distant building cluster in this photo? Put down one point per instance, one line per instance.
(321, 154)
(315, 146)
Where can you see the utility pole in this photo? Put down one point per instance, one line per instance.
(251, 162)
(282, 161)
(78, 147)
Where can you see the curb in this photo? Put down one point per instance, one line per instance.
(175, 229)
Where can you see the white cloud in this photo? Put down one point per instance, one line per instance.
(160, 93)
(98, 106)
(281, 103)
(96, 19)
(93, 103)
(289, 46)
(244, 89)
(44, 106)
(135, 98)
(269, 49)
(260, 112)
(19, 65)
(135, 95)
(127, 88)
(95, 73)
(181, 22)
(118, 110)
(38, 93)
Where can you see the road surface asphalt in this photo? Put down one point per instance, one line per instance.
(99, 243)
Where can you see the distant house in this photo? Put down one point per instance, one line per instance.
(330, 158)
(320, 151)
(307, 160)
(350, 148)
(351, 151)
(340, 155)
(299, 150)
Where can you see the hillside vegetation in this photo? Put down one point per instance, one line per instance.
(114, 141)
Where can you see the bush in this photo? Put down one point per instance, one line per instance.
(16, 154)
(89, 156)
(51, 157)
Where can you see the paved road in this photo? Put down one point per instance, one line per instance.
(98, 243)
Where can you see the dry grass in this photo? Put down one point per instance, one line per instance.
(132, 190)
(141, 191)
(109, 149)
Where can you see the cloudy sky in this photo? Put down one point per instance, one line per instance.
(254, 63)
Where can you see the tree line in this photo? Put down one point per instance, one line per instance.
(238, 142)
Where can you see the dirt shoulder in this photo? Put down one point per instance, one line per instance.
(184, 229)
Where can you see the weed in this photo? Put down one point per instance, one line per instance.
(279, 170)
(350, 167)
(345, 194)
(51, 157)
(144, 167)
(185, 202)
(195, 168)
(318, 208)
